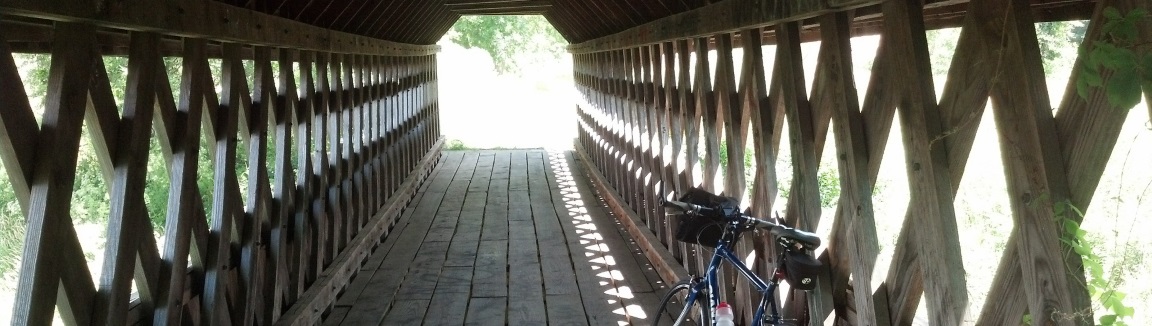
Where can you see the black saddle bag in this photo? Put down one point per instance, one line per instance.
(801, 270)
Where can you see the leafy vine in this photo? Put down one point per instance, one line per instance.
(1122, 52)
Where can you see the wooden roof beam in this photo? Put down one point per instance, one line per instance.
(488, 2)
(214, 21)
(506, 6)
(501, 12)
(721, 17)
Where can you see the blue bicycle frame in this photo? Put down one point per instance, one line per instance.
(722, 253)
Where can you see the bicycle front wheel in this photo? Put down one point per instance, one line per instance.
(675, 308)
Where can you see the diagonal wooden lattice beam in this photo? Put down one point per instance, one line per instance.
(182, 212)
(125, 225)
(855, 250)
(1088, 130)
(51, 184)
(1034, 170)
(927, 169)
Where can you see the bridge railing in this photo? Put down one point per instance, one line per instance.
(660, 108)
(288, 153)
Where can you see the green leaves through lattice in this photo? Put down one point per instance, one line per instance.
(1120, 52)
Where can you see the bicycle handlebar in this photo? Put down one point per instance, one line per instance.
(776, 229)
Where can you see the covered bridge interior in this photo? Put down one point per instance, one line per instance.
(322, 123)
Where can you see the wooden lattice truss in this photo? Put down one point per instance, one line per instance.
(361, 125)
(641, 112)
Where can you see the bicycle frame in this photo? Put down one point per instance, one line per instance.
(767, 299)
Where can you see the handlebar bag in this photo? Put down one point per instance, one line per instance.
(707, 228)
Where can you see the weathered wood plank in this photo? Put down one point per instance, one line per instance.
(425, 269)
(466, 238)
(805, 213)
(555, 259)
(565, 309)
(487, 311)
(599, 304)
(491, 270)
(525, 281)
(406, 312)
(447, 308)
(496, 209)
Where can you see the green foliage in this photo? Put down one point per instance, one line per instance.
(455, 145)
(829, 181)
(509, 39)
(941, 47)
(1058, 41)
(11, 226)
(1119, 53)
(1100, 286)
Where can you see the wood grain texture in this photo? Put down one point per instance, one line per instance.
(18, 127)
(928, 173)
(856, 191)
(1086, 132)
(51, 184)
(184, 193)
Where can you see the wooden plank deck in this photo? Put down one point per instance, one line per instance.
(497, 237)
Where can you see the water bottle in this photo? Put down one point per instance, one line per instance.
(724, 315)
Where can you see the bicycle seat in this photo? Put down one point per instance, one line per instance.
(807, 238)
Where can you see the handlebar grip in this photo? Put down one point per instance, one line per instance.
(687, 207)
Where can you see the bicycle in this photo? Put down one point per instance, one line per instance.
(700, 224)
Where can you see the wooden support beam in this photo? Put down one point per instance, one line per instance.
(226, 205)
(501, 12)
(211, 20)
(706, 109)
(1035, 173)
(53, 174)
(927, 167)
(1088, 129)
(184, 193)
(18, 127)
(720, 17)
(517, 5)
(804, 212)
(855, 250)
